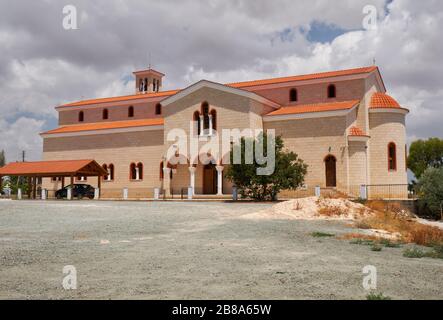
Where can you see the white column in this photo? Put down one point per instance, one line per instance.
(192, 178)
(167, 180)
(201, 125)
(210, 124)
(137, 173)
(109, 175)
(219, 180)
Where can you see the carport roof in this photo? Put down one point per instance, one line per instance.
(54, 168)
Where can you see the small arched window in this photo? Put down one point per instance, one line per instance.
(332, 92)
(105, 114)
(214, 119)
(140, 171)
(205, 113)
(131, 112)
(111, 172)
(158, 109)
(132, 172)
(81, 116)
(392, 156)
(105, 167)
(161, 170)
(293, 97)
(197, 121)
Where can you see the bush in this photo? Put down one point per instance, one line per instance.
(430, 188)
(288, 174)
(377, 296)
(322, 235)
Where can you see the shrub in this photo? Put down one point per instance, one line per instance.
(377, 296)
(288, 174)
(430, 188)
(410, 231)
(376, 248)
(322, 235)
(416, 253)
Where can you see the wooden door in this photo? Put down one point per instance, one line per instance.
(331, 171)
(209, 180)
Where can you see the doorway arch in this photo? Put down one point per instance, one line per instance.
(331, 171)
(209, 179)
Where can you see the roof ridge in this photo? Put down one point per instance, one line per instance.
(232, 84)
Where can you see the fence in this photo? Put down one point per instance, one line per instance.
(383, 191)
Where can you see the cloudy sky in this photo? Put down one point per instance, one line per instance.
(43, 65)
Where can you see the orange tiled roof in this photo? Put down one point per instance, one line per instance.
(304, 77)
(318, 107)
(50, 167)
(355, 131)
(244, 84)
(122, 98)
(107, 125)
(382, 100)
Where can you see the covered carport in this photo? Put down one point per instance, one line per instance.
(52, 169)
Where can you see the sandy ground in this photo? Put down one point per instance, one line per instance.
(178, 250)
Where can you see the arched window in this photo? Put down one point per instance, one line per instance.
(332, 92)
(293, 95)
(131, 112)
(205, 113)
(197, 121)
(140, 171)
(105, 167)
(132, 172)
(392, 156)
(105, 114)
(161, 170)
(214, 119)
(111, 172)
(158, 108)
(81, 116)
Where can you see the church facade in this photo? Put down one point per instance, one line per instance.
(341, 123)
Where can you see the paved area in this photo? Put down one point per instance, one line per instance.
(199, 250)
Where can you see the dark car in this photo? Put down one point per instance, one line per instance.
(79, 191)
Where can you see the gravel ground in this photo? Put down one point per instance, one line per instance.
(198, 250)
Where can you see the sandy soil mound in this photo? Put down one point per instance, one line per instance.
(313, 208)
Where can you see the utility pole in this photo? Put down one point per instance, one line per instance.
(23, 155)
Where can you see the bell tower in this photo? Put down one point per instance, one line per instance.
(148, 81)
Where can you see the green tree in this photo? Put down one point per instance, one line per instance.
(424, 154)
(2, 158)
(288, 173)
(430, 188)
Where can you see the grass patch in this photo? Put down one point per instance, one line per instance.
(409, 230)
(377, 296)
(417, 253)
(376, 248)
(322, 235)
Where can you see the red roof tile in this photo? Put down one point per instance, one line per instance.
(354, 131)
(107, 125)
(122, 98)
(382, 100)
(240, 85)
(318, 107)
(304, 77)
(51, 168)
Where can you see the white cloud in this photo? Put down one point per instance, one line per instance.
(22, 134)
